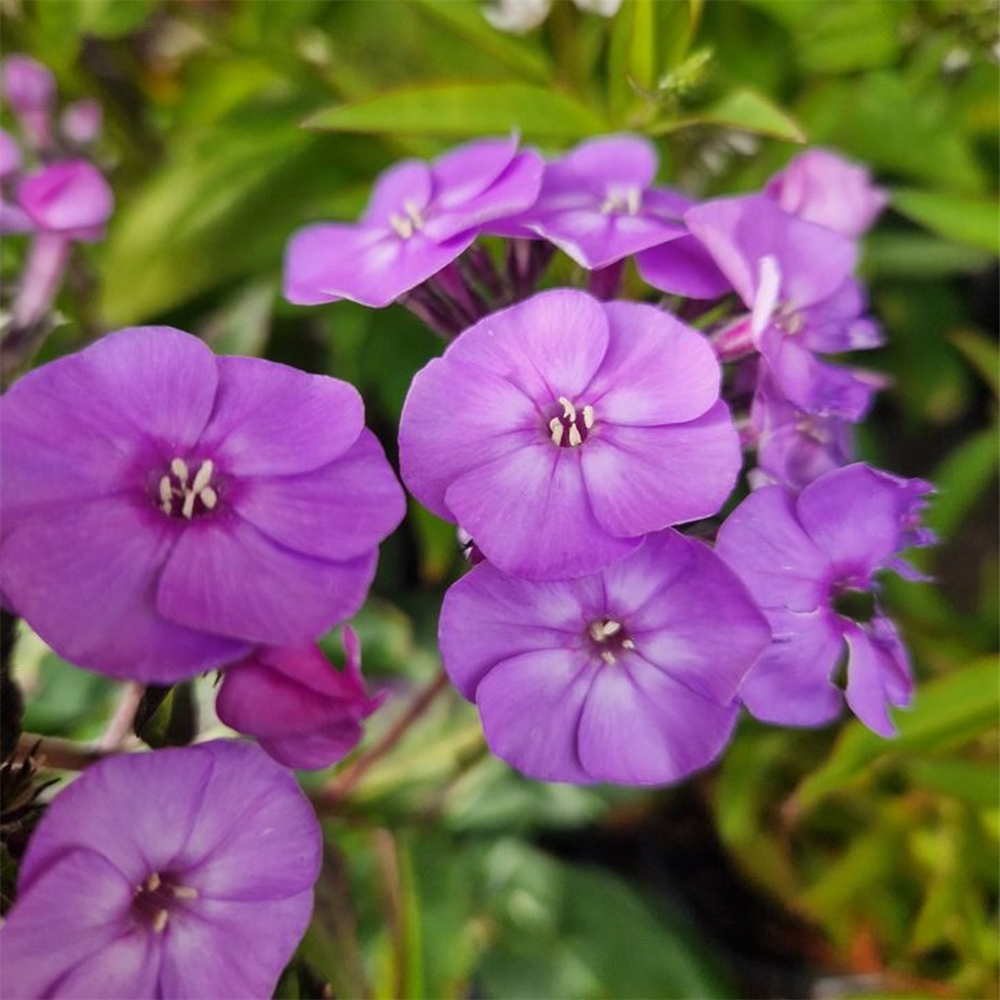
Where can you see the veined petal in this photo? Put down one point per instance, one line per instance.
(228, 578)
(91, 572)
(123, 970)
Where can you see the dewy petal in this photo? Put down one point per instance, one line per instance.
(870, 670)
(780, 564)
(641, 479)
(641, 727)
(272, 420)
(858, 515)
(339, 511)
(530, 707)
(86, 579)
(137, 811)
(684, 592)
(488, 617)
(549, 345)
(792, 682)
(529, 514)
(405, 184)
(233, 950)
(656, 370)
(456, 418)
(150, 382)
(682, 266)
(256, 839)
(227, 577)
(74, 911)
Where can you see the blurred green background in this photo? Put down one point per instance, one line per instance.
(821, 863)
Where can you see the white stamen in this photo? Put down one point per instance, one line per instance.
(412, 209)
(179, 468)
(557, 430)
(184, 892)
(608, 656)
(575, 437)
(588, 417)
(632, 200)
(189, 498)
(569, 410)
(166, 495)
(204, 476)
(153, 882)
(610, 627)
(402, 225)
(628, 644)
(160, 921)
(209, 497)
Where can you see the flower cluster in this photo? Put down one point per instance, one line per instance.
(570, 437)
(48, 187)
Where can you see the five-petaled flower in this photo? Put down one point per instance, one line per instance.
(164, 510)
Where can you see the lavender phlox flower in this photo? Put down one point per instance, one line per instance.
(164, 510)
(180, 873)
(822, 187)
(794, 447)
(30, 90)
(420, 218)
(304, 712)
(81, 122)
(795, 278)
(629, 675)
(559, 431)
(597, 203)
(808, 561)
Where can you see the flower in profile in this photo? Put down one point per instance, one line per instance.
(597, 203)
(420, 218)
(164, 510)
(304, 712)
(180, 873)
(559, 431)
(622, 676)
(810, 562)
(822, 187)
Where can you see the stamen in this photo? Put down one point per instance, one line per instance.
(569, 410)
(628, 644)
(402, 225)
(209, 497)
(575, 437)
(203, 476)
(610, 627)
(184, 892)
(179, 468)
(588, 417)
(166, 495)
(160, 921)
(557, 430)
(570, 430)
(189, 498)
(608, 656)
(153, 882)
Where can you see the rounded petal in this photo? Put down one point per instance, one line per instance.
(792, 682)
(467, 171)
(528, 512)
(642, 479)
(315, 750)
(656, 370)
(531, 706)
(408, 182)
(71, 197)
(614, 159)
(683, 266)
(272, 420)
(869, 667)
(458, 417)
(74, 916)
(226, 577)
(85, 579)
(780, 564)
(641, 727)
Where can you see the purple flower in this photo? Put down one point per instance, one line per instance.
(81, 122)
(629, 675)
(303, 711)
(822, 187)
(70, 199)
(559, 431)
(30, 90)
(179, 873)
(419, 219)
(597, 203)
(163, 510)
(806, 560)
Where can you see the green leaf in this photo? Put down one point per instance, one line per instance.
(741, 109)
(978, 784)
(846, 37)
(973, 222)
(961, 479)
(982, 353)
(949, 710)
(916, 256)
(463, 110)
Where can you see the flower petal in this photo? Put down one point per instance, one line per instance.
(641, 479)
(228, 578)
(869, 668)
(613, 159)
(656, 370)
(530, 707)
(339, 511)
(683, 267)
(123, 970)
(86, 579)
(529, 514)
(408, 182)
(272, 420)
(641, 727)
(467, 171)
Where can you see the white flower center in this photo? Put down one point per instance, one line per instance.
(175, 487)
(409, 222)
(570, 429)
(622, 200)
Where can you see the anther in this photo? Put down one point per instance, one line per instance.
(569, 410)
(575, 437)
(608, 656)
(628, 644)
(588, 417)
(179, 468)
(160, 921)
(184, 891)
(209, 497)
(556, 428)
(203, 476)
(153, 882)
(166, 495)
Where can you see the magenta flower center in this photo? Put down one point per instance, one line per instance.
(409, 221)
(570, 428)
(185, 495)
(609, 638)
(624, 199)
(157, 897)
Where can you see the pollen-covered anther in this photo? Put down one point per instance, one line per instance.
(625, 200)
(175, 486)
(409, 222)
(570, 429)
(160, 921)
